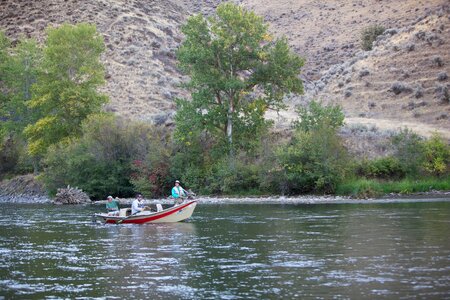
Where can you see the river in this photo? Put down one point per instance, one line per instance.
(229, 251)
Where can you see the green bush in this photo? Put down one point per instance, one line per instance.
(14, 159)
(437, 156)
(361, 188)
(314, 161)
(409, 151)
(369, 188)
(383, 168)
(369, 35)
(100, 162)
(235, 176)
(315, 116)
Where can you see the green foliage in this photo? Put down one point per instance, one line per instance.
(314, 161)
(151, 176)
(437, 156)
(315, 115)
(369, 35)
(409, 151)
(383, 168)
(364, 188)
(20, 72)
(361, 188)
(231, 177)
(100, 161)
(237, 72)
(4, 45)
(66, 91)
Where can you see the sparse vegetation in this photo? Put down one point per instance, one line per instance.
(418, 92)
(442, 93)
(400, 87)
(442, 76)
(437, 61)
(369, 35)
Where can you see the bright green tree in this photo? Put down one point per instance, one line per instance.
(237, 72)
(66, 92)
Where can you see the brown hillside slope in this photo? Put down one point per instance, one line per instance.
(141, 38)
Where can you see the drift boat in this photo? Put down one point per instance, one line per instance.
(176, 213)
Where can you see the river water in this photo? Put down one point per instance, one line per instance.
(229, 251)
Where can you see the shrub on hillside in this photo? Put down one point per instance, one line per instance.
(400, 87)
(369, 35)
(442, 93)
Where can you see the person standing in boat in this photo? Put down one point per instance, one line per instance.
(138, 205)
(178, 192)
(112, 206)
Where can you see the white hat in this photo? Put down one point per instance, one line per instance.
(109, 197)
(177, 181)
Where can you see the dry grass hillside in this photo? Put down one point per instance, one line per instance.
(403, 81)
(140, 37)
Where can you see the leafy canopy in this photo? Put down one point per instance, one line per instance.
(19, 71)
(237, 72)
(66, 92)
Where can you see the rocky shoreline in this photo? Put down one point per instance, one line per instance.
(282, 200)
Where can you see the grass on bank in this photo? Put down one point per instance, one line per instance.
(366, 188)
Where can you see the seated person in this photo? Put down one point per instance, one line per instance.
(112, 206)
(138, 205)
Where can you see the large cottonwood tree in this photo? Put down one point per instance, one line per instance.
(66, 90)
(237, 72)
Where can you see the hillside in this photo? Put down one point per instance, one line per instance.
(402, 81)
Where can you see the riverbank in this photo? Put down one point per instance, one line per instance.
(420, 197)
(25, 189)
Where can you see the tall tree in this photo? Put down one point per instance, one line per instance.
(237, 72)
(4, 45)
(66, 92)
(19, 73)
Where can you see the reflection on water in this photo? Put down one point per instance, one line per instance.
(228, 252)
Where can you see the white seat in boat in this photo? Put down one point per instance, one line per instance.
(159, 207)
(123, 212)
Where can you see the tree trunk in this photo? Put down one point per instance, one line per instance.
(230, 126)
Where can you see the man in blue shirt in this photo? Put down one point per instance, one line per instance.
(178, 191)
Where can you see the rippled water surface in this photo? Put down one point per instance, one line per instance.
(245, 251)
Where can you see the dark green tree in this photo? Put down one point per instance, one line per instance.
(237, 72)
